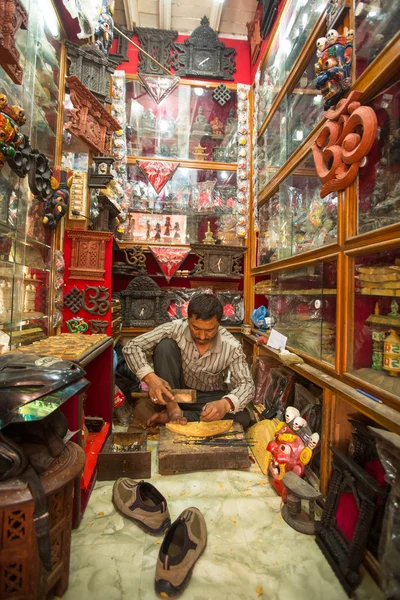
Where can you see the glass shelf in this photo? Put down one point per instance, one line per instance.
(376, 313)
(302, 304)
(187, 119)
(296, 219)
(181, 212)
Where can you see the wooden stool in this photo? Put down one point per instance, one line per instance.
(22, 576)
(292, 512)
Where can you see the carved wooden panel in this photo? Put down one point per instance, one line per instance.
(157, 43)
(88, 254)
(143, 303)
(218, 261)
(343, 143)
(89, 121)
(13, 16)
(254, 35)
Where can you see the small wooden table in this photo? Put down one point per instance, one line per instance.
(184, 458)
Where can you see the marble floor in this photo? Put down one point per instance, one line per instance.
(251, 552)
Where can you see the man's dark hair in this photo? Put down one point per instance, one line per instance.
(205, 307)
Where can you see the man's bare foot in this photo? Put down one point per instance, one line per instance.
(173, 414)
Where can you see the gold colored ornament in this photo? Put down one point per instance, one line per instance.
(391, 356)
(208, 238)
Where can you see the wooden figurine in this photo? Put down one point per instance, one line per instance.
(200, 153)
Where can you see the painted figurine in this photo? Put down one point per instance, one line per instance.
(292, 448)
(333, 67)
(11, 119)
(104, 31)
(177, 235)
(217, 126)
(157, 236)
(167, 226)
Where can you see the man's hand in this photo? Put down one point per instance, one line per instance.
(214, 411)
(158, 388)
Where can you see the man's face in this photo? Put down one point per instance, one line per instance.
(203, 331)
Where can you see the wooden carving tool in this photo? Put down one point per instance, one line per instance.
(180, 396)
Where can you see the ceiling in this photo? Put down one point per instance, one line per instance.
(228, 17)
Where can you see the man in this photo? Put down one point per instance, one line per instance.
(193, 353)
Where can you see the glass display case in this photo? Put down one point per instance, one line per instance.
(375, 356)
(296, 24)
(189, 124)
(379, 181)
(296, 218)
(270, 152)
(181, 213)
(25, 256)
(302, 306)
(376, 23)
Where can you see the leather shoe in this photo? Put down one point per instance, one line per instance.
(181, 548)
(143, 503)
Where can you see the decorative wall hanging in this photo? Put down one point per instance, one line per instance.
(143, 303)
(341, 148)
(88, 120)
(256, 181)
(343, 548)
(92, 67)
(47, 185)
(98, 326)
(73, 299)
(221, 94)
(218, 261)
(333, 66)
(157, 43)
(169, 259)
(88, 254)
(204, 55)
(269, 11)
(158, 172)
(13, 17)
(95, 300)
(243, 140)
(77, 325)
(78, 198)
(159, 87)
(99, 176)
(135, 257)
(254, 35)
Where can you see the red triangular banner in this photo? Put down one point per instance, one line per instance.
(158, 172)
(159, 87)
(169, 259)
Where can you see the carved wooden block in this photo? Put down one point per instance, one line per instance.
(13, 16)
(343, 143)
(88, 254)
(218, 261)
(254, 35)
(89, 121)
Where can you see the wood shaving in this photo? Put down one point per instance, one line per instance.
(101, 514)
(232, 519)
(259, 591)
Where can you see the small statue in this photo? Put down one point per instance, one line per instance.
(217, 126)
(333, 67)
(157, 236)
(148, 122)
(208, 238)
(148, 230)
(167, 226)
(177, 235)
(11, 119)
(200, 123)
(104, 31)
(231, 123)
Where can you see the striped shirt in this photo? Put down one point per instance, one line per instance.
(204, 373)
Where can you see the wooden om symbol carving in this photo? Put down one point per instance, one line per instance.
(343, 143)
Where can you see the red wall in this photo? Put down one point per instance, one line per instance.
(81, 285)
(242, 74)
